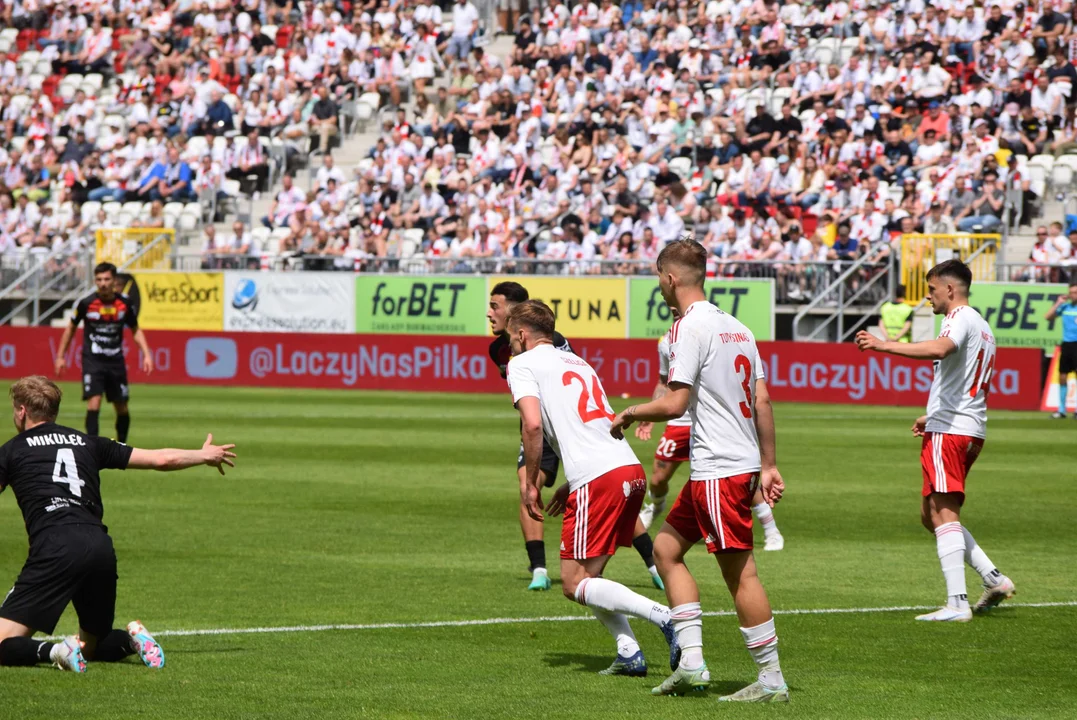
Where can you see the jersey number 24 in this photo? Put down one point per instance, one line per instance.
(586, 413)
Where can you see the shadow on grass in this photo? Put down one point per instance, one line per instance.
(578, 661)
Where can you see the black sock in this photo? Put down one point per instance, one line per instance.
(536, 554)
(24, 651)
(123, 424)
(114, 647)
(91, 422)
(645, 548)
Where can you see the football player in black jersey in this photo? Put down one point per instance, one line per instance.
(104, 371)
(503, 297)
(54, 473)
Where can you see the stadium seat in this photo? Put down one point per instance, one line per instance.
(270, 31)
(88, 211)
(112, 208)
(132, 208)
(778, 98)
(94, 80)
(35, 81)
(1061, 176)
(682, 166)
(849, 46)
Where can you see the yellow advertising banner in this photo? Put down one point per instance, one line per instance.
(585, 307)
(181, 301)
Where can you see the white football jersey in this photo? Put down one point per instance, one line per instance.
(663, 372)
(958, 401)
(716, 354)
(576, 417)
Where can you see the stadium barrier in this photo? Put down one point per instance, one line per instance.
(797, 372)
(143, 248)
(920, 253)
(255, 301)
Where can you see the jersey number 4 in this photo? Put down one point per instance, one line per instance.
(587, 414)
(66, 472)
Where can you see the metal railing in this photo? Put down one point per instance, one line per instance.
(50, 276)
(840, 296)
(1036, 272)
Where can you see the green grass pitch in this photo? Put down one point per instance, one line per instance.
(369, 508)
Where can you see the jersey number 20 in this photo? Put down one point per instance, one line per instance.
(586, 414)
(66, 472)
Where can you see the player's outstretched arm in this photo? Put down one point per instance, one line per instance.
(172, 459)
(668, 407)
(770, 480)
(936, 349)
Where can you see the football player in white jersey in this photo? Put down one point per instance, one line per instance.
(715, 373)
(953, 432)
(672, 451)
(560, 397)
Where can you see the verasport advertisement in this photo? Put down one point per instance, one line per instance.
(289, 302)
(796, 372)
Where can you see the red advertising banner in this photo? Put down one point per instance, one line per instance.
(796, 372)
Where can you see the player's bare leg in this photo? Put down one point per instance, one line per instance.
(757, 627)
(645, 548)
(18, 648)
(946, 512)
(686, 616)
(772, 538)
(536, 548)
(657, 490)
(611, 602)
(93, 412)
(123, 420)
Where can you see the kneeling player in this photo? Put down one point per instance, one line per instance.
(559, 396)
(53, 471)
(672, 451)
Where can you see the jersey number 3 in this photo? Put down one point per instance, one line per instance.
(743, 365)
(586, 414)
(66, 472)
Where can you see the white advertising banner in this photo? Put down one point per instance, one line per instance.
(313, 302)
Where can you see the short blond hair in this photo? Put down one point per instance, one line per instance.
(534, 315)
(40, 396)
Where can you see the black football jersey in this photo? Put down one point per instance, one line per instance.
(105, 321)
(54, 473)
(501, 351)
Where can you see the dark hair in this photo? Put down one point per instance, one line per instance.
(689, 255)
(514, 292)
(534, 315)
(105, 267)
(952, 269)
(899, 291)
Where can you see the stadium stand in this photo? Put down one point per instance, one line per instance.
(791, 138)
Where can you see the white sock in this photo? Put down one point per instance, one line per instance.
(655, 499)
(653, 571)
(687, 622)
(950, 542)
(979, 561)
(766, 519)
(762, 642)
(617, 624)
(538, 572)
(616, 598)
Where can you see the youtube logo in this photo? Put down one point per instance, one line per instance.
(211, 358)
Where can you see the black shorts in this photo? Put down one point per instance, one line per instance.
(1067, 358)
(67, 564)
(549, 463)
(108, 379)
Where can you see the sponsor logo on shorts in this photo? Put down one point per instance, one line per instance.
(711, 539)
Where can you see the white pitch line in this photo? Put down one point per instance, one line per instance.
(550, 618)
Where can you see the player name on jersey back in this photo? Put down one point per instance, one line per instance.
(716, 355)
(54, 439)
(957, 404)
(576, 417)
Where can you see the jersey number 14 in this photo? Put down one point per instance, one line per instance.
(982, 379)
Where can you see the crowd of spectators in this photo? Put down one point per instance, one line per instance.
(786, 137)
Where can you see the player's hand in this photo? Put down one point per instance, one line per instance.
(217, 455)
(529, 497)
(867, 341)
(557, 503)
(772, 485)
(643, 430)
(621, 422)
(919, 425)
(147, 363)
(60, 366)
